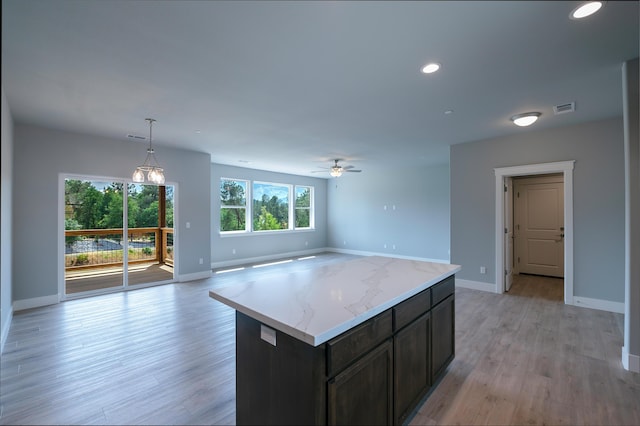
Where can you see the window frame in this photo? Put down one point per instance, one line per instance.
(249, 192)
(289, 189)
(246, 207)
(310, 208)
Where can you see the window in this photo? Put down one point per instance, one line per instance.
(233, 205)
(253, 206)
(303, 207)
(270, 206)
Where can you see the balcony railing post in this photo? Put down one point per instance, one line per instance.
(158, 244)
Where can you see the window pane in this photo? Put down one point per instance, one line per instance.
(232, 219)
(233, 192)
(270, 206)
(302, 218)
(303, 196)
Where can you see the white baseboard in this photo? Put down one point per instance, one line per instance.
(35, 302)
(259, 259)
(5, 329)
(630, 362)
(603, 305)
(397, 256)
(194, 276)
(268, 258)
(476, 285)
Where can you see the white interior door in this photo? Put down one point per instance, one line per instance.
(508, 233)
(539, 226)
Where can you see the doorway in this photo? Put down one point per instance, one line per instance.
(538, 225)
(116, 235)
(504, 176)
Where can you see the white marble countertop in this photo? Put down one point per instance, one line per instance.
(318, 304)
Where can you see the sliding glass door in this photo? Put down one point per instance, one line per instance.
(115, 241)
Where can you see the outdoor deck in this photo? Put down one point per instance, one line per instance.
(77, 281)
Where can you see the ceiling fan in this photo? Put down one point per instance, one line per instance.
(336, 170)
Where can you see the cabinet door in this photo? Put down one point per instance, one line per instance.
(363, 393)
(411, 359)
(442, 336)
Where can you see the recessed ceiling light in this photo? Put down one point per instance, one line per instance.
(431, 68)
(449, 111)
(526, 119)
(586, 9)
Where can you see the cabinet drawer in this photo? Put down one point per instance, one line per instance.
(443, 289)
(410, 309)
(352, 344)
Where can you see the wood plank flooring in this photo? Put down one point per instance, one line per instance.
(166, 355)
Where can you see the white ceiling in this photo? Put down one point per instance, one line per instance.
(288, 86)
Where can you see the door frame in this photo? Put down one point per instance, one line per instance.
(501, 173)
(62, 296)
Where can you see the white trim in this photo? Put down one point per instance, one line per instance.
(630, 362)
(6, 328)
(564, 167)
(476, 285)
(194, 276)
(35, 302)
(249, 260)
(258, 259)
(603, 305)
(397, 256)
(61, 242)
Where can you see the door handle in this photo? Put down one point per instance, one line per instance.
(561, 237)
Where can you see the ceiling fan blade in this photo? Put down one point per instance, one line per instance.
(352, 171)
(347, 167)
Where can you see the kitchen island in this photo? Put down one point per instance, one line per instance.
(356, 342)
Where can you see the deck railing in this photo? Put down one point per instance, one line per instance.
(90, 248)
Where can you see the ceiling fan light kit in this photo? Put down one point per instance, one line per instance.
(337, 170)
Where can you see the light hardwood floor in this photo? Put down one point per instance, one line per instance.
(165, 355)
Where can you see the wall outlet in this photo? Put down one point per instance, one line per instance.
(483, 269)
(201, 261)
(233, 251)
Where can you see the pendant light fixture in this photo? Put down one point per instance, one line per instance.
(155, 173)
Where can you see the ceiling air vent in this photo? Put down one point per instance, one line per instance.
(564, 108)
(136, 137)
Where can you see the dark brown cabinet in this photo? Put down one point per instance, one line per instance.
(362, 394)
(412, 375)
(375, 373)
(442, 327)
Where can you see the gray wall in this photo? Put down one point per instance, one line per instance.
(597, 148)
(419, 225)
(265, 245)
(46, 154)
(5, 221)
